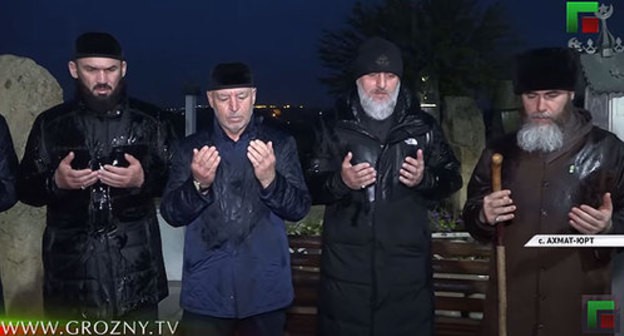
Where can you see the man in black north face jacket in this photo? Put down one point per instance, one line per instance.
(376, 167)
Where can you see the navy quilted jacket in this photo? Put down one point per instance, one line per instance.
(236, 259)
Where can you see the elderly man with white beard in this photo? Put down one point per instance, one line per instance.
(377, 166)
(560, 175)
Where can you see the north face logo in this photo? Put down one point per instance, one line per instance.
(383, 61)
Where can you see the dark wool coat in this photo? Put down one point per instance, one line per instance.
(545, 285)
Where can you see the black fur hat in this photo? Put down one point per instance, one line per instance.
(546, 69)
(230, 75)
(377, 55)
(95, 44)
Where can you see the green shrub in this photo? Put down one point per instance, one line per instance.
(442, 220)
(310, 225)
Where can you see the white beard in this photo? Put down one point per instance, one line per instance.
(375, 109)
(546, 138)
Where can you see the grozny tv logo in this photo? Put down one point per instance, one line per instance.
(601, 314)
(589, 24)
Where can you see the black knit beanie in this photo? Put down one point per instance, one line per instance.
(378, 55)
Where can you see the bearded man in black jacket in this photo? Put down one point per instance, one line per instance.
(96, 162)
(376, 167)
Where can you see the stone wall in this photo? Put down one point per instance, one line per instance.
(465, 131)
(26, 89)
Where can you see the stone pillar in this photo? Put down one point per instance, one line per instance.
(191, 92)
(465, 131)
(506, 117)
(26, 89)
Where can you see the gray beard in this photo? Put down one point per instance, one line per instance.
(378, 110)
(546, 138)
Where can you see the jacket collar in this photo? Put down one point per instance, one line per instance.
(349, 110)
(250, 132)
(574, 130)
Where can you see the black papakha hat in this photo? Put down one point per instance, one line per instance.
(230, 75)
(546, 69)
(95, 44)
(378, 55)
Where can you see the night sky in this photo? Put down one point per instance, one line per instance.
(171, 43)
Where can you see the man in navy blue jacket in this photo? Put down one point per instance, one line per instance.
(233, 186)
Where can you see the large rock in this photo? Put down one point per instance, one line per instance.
(464, 128)
(26, 89)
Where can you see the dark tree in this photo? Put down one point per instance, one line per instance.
(459, 46)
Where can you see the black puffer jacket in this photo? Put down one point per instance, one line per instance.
(376, 261)
(8, 172)
(101, 247)
(8, 168)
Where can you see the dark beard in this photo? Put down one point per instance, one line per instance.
(101, 104)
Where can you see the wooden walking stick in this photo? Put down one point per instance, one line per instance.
(497, 162)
